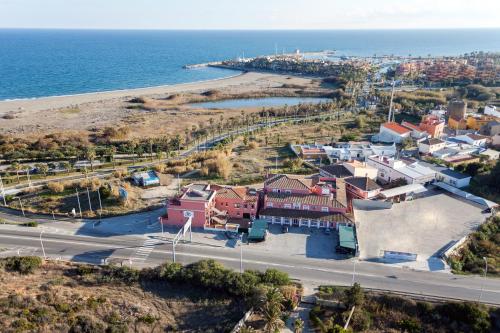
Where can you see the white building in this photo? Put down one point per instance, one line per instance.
(348, 151)
(390, 169)
(473, 139)
(449, 176)
(491, 110)
(392, 132)
(430, 145)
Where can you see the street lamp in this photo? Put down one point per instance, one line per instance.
(241, 253)
(353, 270)
(482, 283)
(41, 243)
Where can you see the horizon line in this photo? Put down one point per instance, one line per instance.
(244, 29)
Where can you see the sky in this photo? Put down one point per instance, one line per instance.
(249, 14)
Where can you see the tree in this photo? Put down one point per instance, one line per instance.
(298, 325)
(17, 167)
(65, 165)
(42, 168)
(272, 310)
(90, 156)
(354, 296)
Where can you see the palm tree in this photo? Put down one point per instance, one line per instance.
(272, 310)
(17, 167)
(298, 325)
(90, 156)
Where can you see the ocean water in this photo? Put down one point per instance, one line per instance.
(37, 63)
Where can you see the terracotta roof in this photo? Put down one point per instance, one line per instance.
(287, 182)
(305, 214)
(477, 137)
(336, 170)
(363, 183)
(395, 127)
(242, 193)
(304, 199)
(410, 126)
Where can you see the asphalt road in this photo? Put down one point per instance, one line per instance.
(312, 272)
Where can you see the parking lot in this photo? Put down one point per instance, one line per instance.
(300, 241)
(424, 227)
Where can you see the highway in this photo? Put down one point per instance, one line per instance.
(310, 271)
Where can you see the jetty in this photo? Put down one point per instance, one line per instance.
(207, 64)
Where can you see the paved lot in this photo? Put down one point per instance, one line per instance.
(424, 226)
(305, 242)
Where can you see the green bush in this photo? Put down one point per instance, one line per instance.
(471, 314)
(410, 325)
(85, 324)
(32, 224)
(23, 265)
(276, 278)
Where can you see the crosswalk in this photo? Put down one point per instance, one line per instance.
(143, 252)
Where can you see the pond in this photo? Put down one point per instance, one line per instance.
(260, 102)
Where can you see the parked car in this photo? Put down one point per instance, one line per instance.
(328, 232)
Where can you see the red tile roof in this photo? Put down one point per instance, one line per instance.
(410, 126)
(304, 199)
(287, 182)
(242, 193)
(395, 127)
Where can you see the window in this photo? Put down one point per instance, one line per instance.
(237, 205)
(253, 206)
(324, 209)
(226, 204)
(306, 207)
(288, 206)
(246, 206)
(296, 205)
(238, 213)
(269, 204)
(288, 192)
(275, 190)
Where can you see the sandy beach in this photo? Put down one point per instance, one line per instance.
(55, 102)
(87, 113)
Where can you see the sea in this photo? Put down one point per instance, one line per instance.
(39, 63)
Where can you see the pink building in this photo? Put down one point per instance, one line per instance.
(299, 201)
(238, 202)
(361, 188)
(197, 198)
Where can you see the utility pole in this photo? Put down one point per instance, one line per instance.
(78, 199)
(28, 175)
(389, 119)
(3, 192)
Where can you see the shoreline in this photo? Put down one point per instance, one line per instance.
(61, 101)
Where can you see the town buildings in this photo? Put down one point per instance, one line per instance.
(362, 188)
(343, 151)
(393, 132)
(390, 169)
(238, 202)
(430, 146)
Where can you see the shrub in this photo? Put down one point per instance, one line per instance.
(276, 278)
(354, 296)
(32, 224)
(253, 145)
(23, 265)
(473, 315)
(55, 187)
(85, 324)
(410, 325)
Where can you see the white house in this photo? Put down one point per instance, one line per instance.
(348, 151)
(449, 176)
(430, 145)
(390, 169)
(392, 132)
(473, 139)
(491, 110)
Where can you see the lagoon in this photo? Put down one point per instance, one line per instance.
(260, 102)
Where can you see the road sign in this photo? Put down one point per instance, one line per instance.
(188, 214)
(187, 226)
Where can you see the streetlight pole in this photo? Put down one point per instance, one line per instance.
(353, 271)
(241, 254)
(485, 273)
(22, 208)
(3, 192)
(41, 243)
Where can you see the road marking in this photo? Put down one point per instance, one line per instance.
(143, 252)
